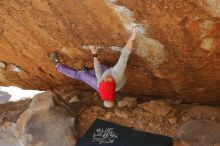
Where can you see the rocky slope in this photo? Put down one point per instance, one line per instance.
(49, 120)
(176, 52)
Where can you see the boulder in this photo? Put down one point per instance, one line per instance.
(200, 133)
(47, 122)
(8, 135)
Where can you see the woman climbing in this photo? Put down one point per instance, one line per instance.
(104, 80)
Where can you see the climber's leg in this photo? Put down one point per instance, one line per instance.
(86, 76)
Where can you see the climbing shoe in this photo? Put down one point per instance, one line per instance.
(54, 57)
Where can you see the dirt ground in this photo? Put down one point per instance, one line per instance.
(187, 66)
(163, 117)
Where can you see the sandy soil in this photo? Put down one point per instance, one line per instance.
(155, 121)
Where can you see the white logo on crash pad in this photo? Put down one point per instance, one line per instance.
(104, 136)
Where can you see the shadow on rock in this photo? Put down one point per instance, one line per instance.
(47, 123)
(4, 97)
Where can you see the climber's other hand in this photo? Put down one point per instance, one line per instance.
(94, 49)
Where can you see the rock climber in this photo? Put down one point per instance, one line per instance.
(103, 79)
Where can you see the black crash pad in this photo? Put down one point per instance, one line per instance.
(103, 133)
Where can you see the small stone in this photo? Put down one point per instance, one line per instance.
(131, 123)
(74, 99)
(122, 104)
(122, 114)
(213, 118)
(199, 116)
(139, 125)
(98, 110)
(207, 44)
(73, 26)
(108, 116)
(151, 125)
(172, 120)
(157, 107)
(159, 129)
(204, 112)
(186, 118)
(129, 102)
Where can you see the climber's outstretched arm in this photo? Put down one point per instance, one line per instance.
(129, 43)
(97, 65)
(120, 67)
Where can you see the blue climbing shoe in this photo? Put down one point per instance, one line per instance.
(54, 57)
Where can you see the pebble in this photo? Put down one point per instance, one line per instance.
(151, 125)
(172, 120)
(129, 102)
(157, 107)
(122, 114)
(186, 118)
(108, 116)
(74, 99)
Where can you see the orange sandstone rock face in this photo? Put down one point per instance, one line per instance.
(176, 52)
